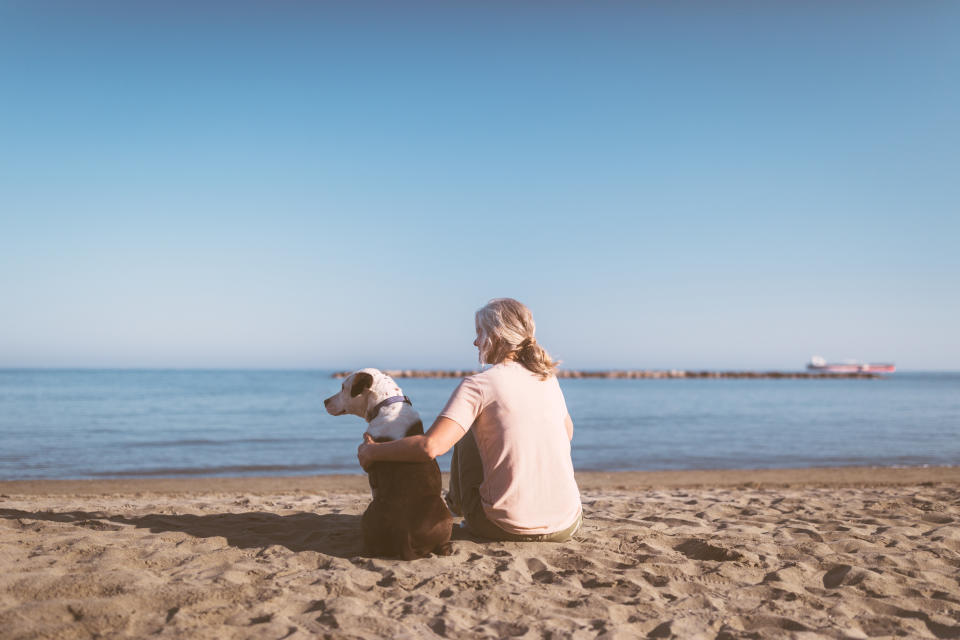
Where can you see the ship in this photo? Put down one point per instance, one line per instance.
(849, 366)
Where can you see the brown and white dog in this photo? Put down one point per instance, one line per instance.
(408, 517)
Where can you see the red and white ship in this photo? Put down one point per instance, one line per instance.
(819, 364)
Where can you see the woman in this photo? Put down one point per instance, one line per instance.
(511, 476)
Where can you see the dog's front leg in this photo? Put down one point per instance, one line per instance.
(371, 525)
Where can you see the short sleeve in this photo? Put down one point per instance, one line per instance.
(465, 404)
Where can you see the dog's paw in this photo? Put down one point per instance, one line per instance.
(445, 549)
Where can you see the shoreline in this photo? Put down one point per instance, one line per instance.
(855, 476)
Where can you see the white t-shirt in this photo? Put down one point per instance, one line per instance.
(518, 421)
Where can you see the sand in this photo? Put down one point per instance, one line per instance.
(837, 553)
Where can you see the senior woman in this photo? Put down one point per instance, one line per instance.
(511, 476)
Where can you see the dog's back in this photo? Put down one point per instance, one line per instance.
(407, 517)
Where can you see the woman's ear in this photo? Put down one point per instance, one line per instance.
(361, 382)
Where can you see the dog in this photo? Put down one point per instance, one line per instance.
(408, 517)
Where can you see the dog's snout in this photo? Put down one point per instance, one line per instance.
(326, 402)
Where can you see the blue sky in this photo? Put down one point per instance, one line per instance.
(301, 185)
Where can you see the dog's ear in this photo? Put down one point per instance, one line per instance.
(361, 382)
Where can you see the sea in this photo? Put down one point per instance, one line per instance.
(195, 423)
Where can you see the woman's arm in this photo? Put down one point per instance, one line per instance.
(437, 441)
(568, 423)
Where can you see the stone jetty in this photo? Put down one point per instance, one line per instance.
(636, 374)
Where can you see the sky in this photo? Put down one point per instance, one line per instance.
(339, 185)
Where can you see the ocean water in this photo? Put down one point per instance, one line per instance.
(127, 423)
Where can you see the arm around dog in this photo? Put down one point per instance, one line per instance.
(437, 441)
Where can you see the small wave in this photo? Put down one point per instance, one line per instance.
(203, 442)
(209, 471)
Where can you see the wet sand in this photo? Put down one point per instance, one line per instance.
(839, 553)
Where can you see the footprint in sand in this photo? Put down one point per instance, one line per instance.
(700, 550)
(541, 573)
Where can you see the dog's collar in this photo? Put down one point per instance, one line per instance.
(373, 412)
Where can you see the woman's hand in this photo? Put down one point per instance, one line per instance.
(419, 448)
(365, 452)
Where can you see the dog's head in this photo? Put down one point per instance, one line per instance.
(360, 392)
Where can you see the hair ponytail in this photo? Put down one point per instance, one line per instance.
(535, 358)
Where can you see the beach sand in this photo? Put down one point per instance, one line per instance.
(839, 553)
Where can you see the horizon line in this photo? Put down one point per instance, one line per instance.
(339, 369)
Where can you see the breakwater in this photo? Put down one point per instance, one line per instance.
(636, 374)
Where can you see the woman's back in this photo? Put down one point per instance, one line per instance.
(518, 421)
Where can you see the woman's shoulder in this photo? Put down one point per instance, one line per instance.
(511, 374)
(505, 369)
